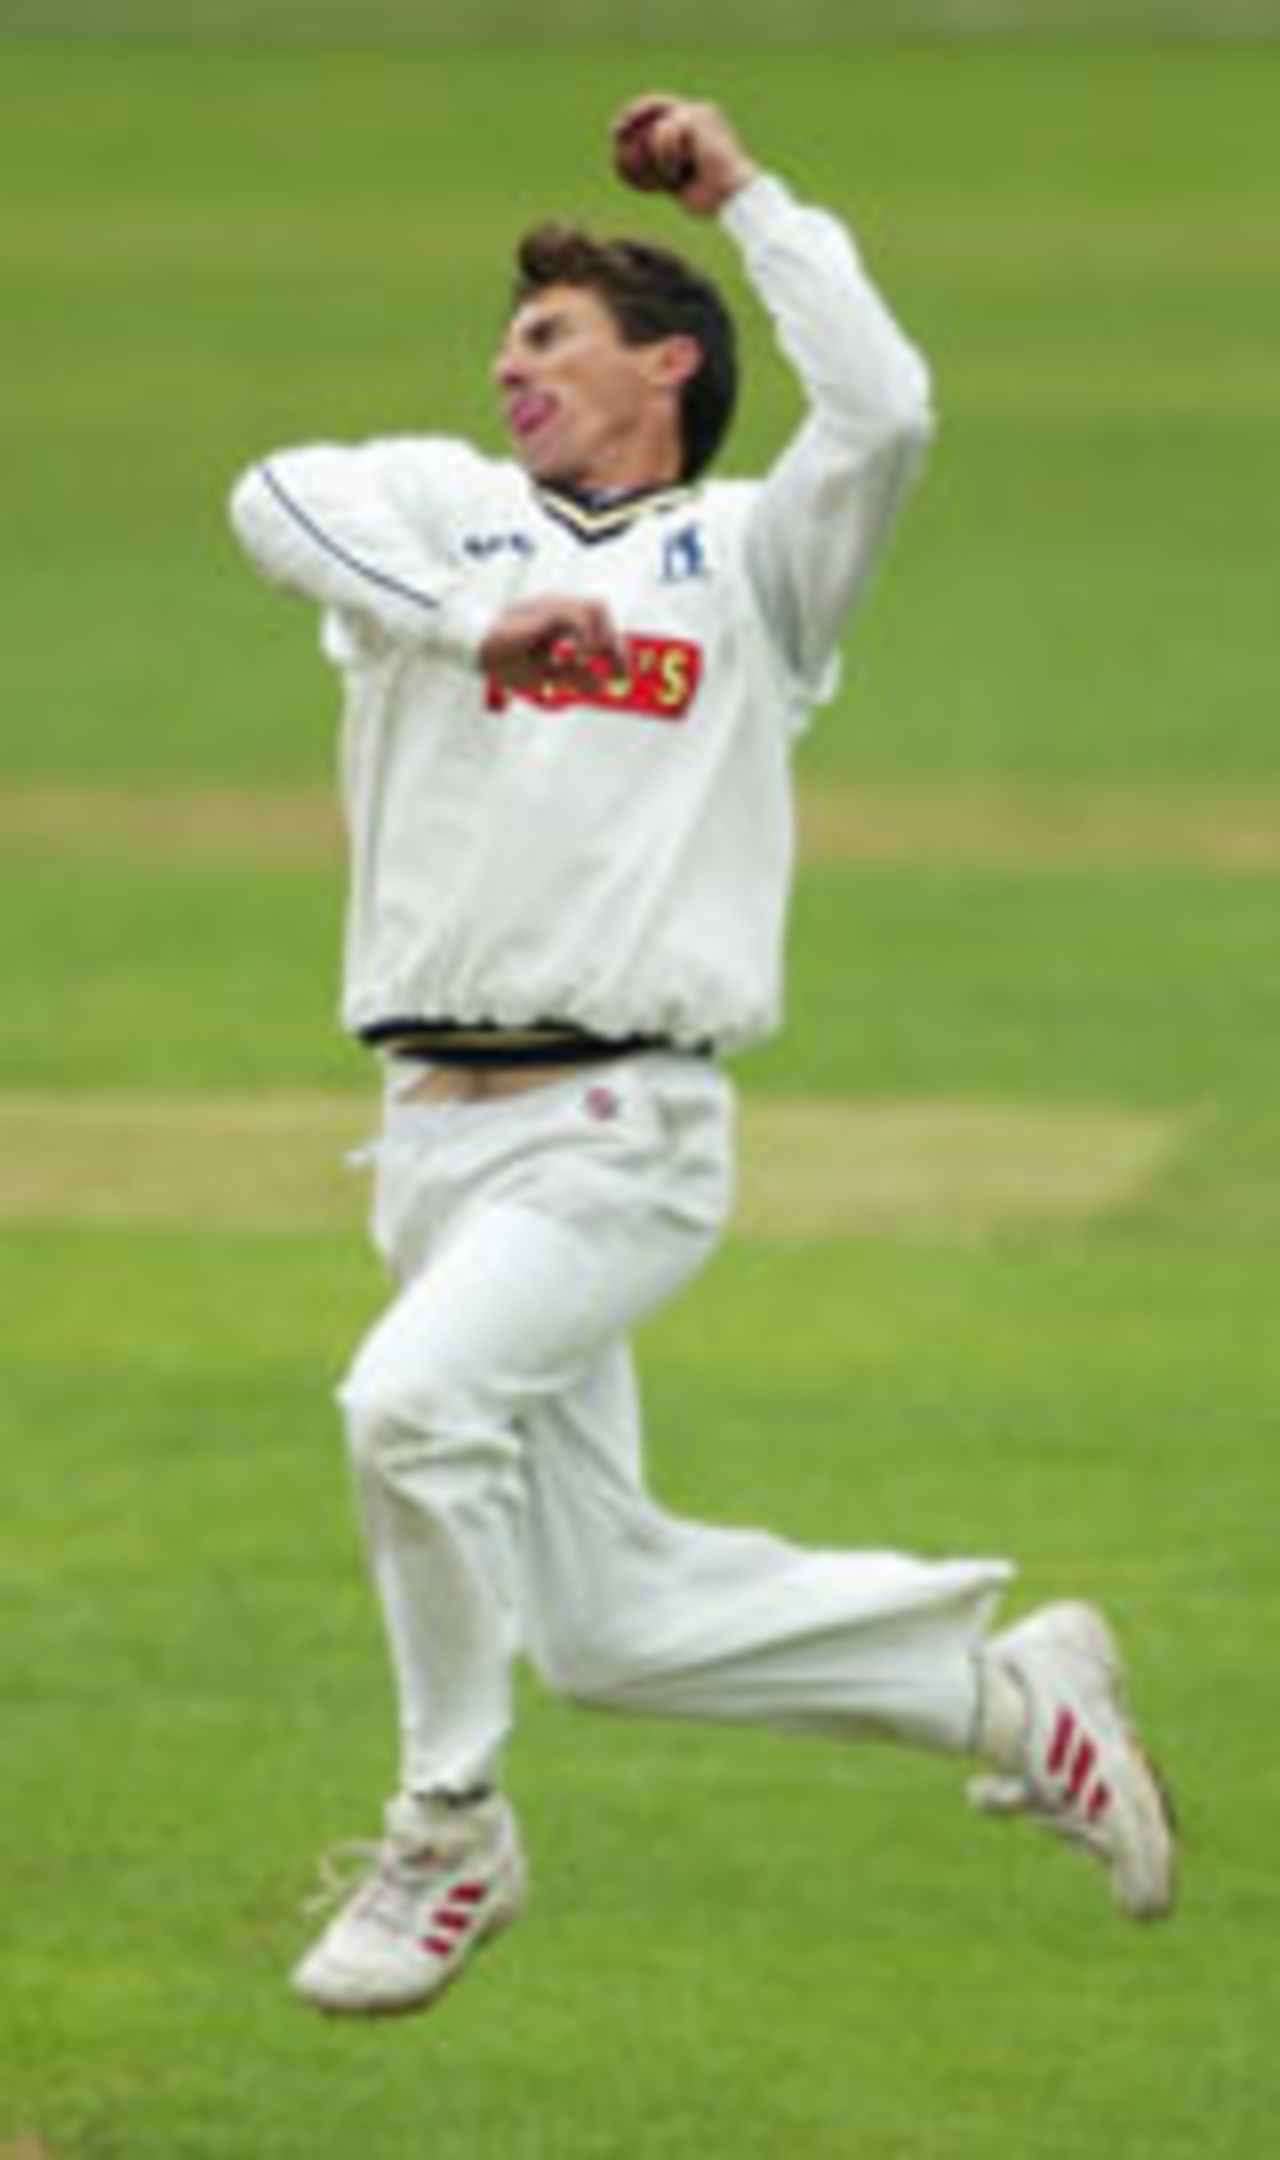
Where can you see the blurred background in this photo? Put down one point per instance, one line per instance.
(670, 20)
(1005, 1277)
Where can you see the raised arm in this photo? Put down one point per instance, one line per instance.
(827, 505)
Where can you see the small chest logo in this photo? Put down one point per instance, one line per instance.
(684, 556)
(482, 546)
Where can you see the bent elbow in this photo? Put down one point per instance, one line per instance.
(889, 415)
(248, 509)
(913, 426)
(263, 519)
(904, 426)
(910, 416)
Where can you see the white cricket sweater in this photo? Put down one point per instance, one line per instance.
(622, 864)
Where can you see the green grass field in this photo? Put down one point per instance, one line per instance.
(1008, 1273)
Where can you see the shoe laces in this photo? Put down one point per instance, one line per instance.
(373, 1878)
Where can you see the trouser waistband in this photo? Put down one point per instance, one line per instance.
(444, 1042)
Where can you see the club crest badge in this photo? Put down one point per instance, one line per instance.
(684, 556)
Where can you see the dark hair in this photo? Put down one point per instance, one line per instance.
(651, 295)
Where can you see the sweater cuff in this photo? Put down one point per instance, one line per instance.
(751, 212)
(460, 626)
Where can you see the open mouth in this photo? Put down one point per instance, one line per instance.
(528, 413)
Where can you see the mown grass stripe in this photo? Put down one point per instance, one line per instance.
(809, 1169)
(842, 824)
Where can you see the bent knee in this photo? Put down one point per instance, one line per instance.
(400, 1427)
(385, 1410)
(375, 1407)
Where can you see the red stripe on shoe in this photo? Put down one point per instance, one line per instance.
(456, 1923)
(1082, 1763)
(1064, 1733)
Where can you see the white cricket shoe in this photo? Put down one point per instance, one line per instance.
(1077, 1765)
(445, 1878)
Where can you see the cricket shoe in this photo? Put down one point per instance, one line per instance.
(1076, 1765)
(446, 1877)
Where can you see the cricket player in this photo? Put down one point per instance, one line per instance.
(573, 677)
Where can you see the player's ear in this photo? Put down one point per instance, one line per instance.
(674, 361)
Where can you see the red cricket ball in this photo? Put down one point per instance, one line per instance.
(636, 161)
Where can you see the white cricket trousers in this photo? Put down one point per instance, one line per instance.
(495, 1442)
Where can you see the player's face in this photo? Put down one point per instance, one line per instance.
(584, 408)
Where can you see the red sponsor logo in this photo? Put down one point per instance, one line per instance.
(660, 682)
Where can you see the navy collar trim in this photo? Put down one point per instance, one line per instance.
(603, 517)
